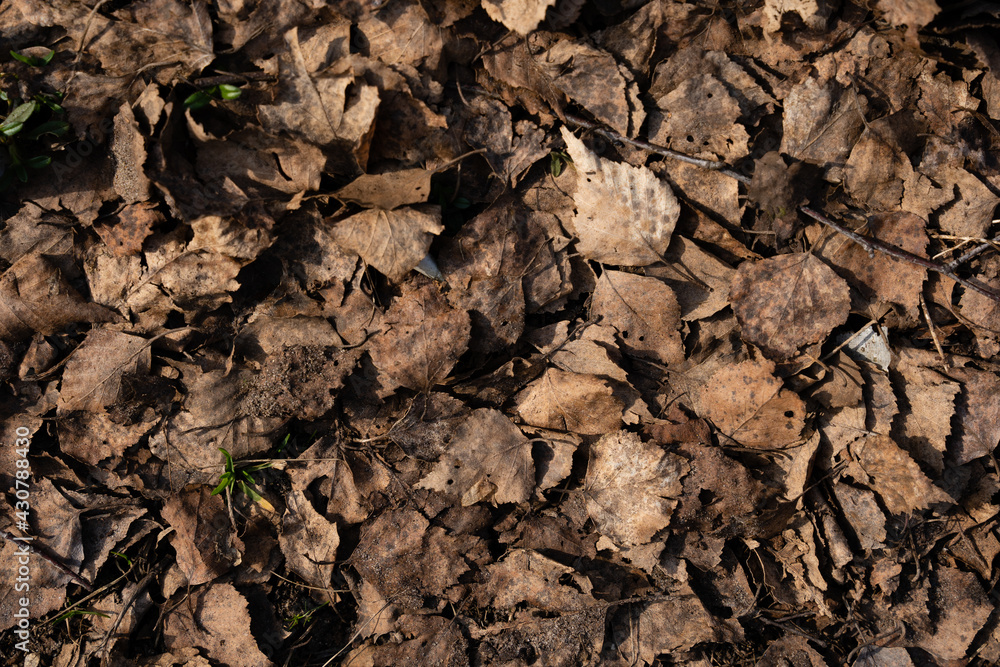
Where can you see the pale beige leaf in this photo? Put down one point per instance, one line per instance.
(632, 487)
(571, 402)
(521, 16)
(625, 215)
(392, 242)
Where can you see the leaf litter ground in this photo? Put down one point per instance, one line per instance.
(550, 333)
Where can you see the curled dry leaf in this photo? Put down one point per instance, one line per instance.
(789, 301)
(421, 340)
(488, 459)
(896, 477)
(34, 297)
(625, 215)
(393, 242)
(632, 487)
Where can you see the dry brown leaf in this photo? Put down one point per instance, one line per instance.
(978, 414)
(625, 214)
(884, 279)
(393, 242)
(747, 404)
(863, 513)
(135, 223)
(215, 619)
(389, 190)
(632, 487)
(644, 312)
(897, 478)
(401, 34)
(787, 302)
(571, 402)
(212, 416)
(421, 340)
(699, 118)
(202, 538)
(129, 149)
(591, 78)
(56, 524)
(487, 460)
(93, 436)
(795, 650)
(923, 425)
(308, 541)
(317, 105)
(34, 297)
(405, 558)
(820, 123)
(423, 640)
(513, 71)
(699, 279)
(984, 313)
(92, 378)
(521, 16)
(489, 264)
(963, 609)
(675, 625)
(594, 352)
(526, 576)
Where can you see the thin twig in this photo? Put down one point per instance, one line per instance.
(931, 328)
(873, 244)
(978, 250)
(41, 550)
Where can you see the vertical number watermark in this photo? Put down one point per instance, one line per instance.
(22, 554)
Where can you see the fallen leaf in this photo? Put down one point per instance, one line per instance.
(92, 378)
(202, 538)
(487, 459)
(34, 297)
(897, 478)
(390, 190)
(392, 242)
(217, 620)
(521, 16)
(632, 487)
(625, 214)
(748, 405)
(525, 576)
(787, 302)
(421, 340)
(644, 312)
(308, 541)
(570, 402)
